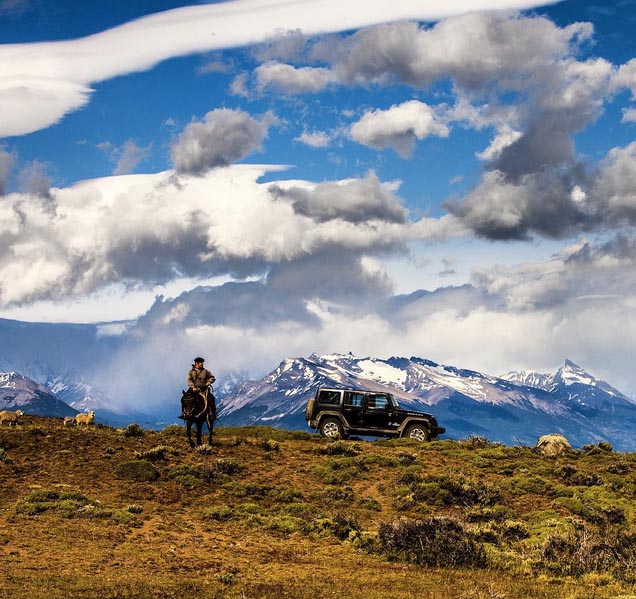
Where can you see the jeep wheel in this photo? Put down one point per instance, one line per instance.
(331, 428)
(419, 432)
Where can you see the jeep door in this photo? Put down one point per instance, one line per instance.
(352, 408)
(378, 411)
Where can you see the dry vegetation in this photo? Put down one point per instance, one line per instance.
(100, 512)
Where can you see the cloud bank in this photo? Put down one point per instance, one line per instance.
(145, 230)
(40, 83)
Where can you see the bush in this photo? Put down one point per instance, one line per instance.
(218, 512)
(137, 470)
(173, 430)
(571, 476)
(584, 551)
(434, 542)
(340, 526)
(405, 458)
(227, 466)
(444, 490)
(155, 454)
(270, 445)
(185, 475)
(344, 448)
(134, 430)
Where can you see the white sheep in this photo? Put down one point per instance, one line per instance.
(85, 418)
(10, 417)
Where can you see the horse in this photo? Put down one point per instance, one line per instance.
(198, 407)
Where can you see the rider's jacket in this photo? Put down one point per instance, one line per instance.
(200, 379)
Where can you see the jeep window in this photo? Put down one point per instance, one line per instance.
(353, 399)
(378, 402)
(329, 397)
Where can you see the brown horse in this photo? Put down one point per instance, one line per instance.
(198, 407)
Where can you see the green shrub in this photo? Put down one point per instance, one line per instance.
(496, 513)
(369, 503)
(188, 476)
(571, 476)
(340, 526)
(134, 430)
(173, 430)
(155, 454)
(444, 490)
(602, 447)
(535, 485)
(137, 470)
(434, 542)
(42, 496)
(301, 510)
(405, 458)
(218, 512)
(335, 471)
(227, 466)
(339, 493)
(585, 551)
(270, 445)
(343, 448)
(409, 478)
(513, 530)
(248, 489)
(283, 494)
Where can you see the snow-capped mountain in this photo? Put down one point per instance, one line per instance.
(464, 401)
(572, 383)
(18, 392)
(84, 397)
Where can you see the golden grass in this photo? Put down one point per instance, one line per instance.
(268, 514)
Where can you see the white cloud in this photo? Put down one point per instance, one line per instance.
(7, 161)
(222, 138)
(398, 127)
(314, 139)
(288, 79)
(126, 157)
(36, 101)
(629, 115)
(146, 230)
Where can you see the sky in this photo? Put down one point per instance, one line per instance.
(257, 179)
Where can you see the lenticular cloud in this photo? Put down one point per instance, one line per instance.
(36, 102)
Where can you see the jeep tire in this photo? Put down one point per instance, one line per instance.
(331, 428)
(418, 432)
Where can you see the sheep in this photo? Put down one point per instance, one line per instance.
(10, 417)
(85, 418)
(69, 421)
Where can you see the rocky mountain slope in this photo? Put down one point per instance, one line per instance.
(512, 410)
(18, 392)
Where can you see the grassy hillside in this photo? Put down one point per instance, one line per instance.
(101, 512)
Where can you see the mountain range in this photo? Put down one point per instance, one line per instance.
(515, 408)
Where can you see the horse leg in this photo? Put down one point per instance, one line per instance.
(189, 432)
(199, 429)
(210, 420)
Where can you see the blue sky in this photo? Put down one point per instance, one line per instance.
(486, 157)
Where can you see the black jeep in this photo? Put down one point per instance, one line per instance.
(342, 412)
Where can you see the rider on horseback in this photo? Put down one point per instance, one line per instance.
(200, 381)
(200, 378)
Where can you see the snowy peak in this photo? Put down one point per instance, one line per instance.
(20, 392)
(529, 378)
(573, 384)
